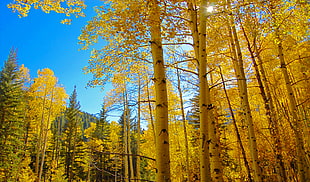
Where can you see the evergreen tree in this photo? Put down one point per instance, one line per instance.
(193, 113)
(102, 133)
(102, 126)
(11, 119)
(55, 169)
(73, 139)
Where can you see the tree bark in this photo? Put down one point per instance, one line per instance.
(151, 113)
(125, 140)
(247, 166)
(243, 92)
(274, 128)
(132, 176)
(187, 167)
(161, 116)
(302, 167)
(210, 163)
(138, 173)
(45, 135)
(40, 129)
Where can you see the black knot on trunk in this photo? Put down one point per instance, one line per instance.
(163, 131)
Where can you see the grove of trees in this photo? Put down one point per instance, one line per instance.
(204, 94)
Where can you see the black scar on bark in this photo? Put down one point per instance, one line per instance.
(163, 131)
(217, 171)
(159, 105)
(210, 106)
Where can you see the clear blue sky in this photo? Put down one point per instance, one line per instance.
(43, 42)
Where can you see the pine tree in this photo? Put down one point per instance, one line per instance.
(102, 126)
(102, 133)
(73, 139)
(11, 119)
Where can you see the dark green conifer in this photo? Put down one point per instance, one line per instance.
(73, 139)
(11, 119)
(102, 132)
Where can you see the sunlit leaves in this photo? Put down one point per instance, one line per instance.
(46, 102)
(67, 7)
(66, 21)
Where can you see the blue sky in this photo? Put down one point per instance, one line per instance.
(43, 42)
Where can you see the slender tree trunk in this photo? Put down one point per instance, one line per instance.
(302, 167)
(187, 167)
(272, 111)
(305, 112)
(125, 140)
(45, 135)
(73, 153)
(138, 172)
(151, 112)
(199, 44)
(247, 112)
(247, 166)
(274, 129)
(205, 173)
(210, 163)
(132, 176)
(242, 86)
(161, 117)
(194, 26)
(56, 157)
(40, 129)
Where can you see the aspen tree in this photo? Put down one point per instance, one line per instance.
(243, 92)
(161, 116)
(204, 92)
(210, 163)
(125, 139)
(46, 102)
(129, 47)
(40, 129)
(271, 113)
(67, 7)
(151, 112)
(303, 168)
(194, 26)
(45, 134)
(187, 167)
(236, 129)
(129, 149)
(207, 120)
(274, 130)
(138, 171)
(278, 27)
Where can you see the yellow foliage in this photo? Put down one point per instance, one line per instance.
(66, 21)
(68, 7)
